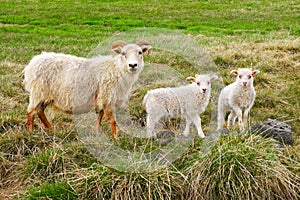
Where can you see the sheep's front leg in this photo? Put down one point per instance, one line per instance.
(197, 121)
(245, 117)
(111, 117)
(231, 119)
(239, 114)
(187, 126)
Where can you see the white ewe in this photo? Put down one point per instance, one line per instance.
(77, 85)
(238, 97)
(190, 100)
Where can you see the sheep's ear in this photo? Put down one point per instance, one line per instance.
(190, 78)
(213, 77)
(146, 49)
(116, 47)
(145, 45)
(255, 72)
(116, 50)
(235, 72)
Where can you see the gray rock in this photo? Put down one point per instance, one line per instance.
(275, 129)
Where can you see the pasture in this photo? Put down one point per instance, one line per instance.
(264, 35)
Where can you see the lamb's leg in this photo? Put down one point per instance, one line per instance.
(197, 122)
(110, 115)
(245, 117)
(98, 122)
(239, 114)
(42, 116)
(221, 116)
(31, 111)
(231, 119)
(151, 121)
(30, 120)
(187, 126)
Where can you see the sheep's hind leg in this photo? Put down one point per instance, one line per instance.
(98, 122)
(42, 116)
(221, 116)
(30, 120)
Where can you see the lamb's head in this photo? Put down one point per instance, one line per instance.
(202, 82)
(131, 54)
(245, 76)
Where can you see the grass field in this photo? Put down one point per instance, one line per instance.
(264, 35)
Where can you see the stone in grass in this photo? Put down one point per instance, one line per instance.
(275, 129)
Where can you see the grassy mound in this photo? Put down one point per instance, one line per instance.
(238, 166)
(243, 166)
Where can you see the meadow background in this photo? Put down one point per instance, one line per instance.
(56, 165)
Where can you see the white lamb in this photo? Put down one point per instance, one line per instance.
(78, 85)
(238, 97)
(190, 101)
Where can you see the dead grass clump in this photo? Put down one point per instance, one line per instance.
(99, 182)
(243, 167)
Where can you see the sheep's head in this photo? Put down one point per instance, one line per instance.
(131, 54)
(245, 76)
(202, 82)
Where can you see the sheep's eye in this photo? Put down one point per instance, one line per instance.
(198, 84)
(208, 82)
(123, 53)
(240, 76)
(249, 76)
(140, 53)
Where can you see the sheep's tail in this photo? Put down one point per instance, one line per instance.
(51, 111)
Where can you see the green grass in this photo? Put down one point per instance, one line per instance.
(56, 165)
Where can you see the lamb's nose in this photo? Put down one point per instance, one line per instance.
(204, 90)
(133, 65)
(244, 83)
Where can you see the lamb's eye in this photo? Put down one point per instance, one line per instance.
(208, 82)
(140, 53)
(249, 76)
(123, 53)
(198, 84)
(240, 76)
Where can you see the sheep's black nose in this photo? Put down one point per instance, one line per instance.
(133, 65)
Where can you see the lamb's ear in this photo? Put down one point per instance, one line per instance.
(255, 72)
(190, 78)
(235, 72)
(213, 77)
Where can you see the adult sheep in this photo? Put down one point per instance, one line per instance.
(77, 85)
